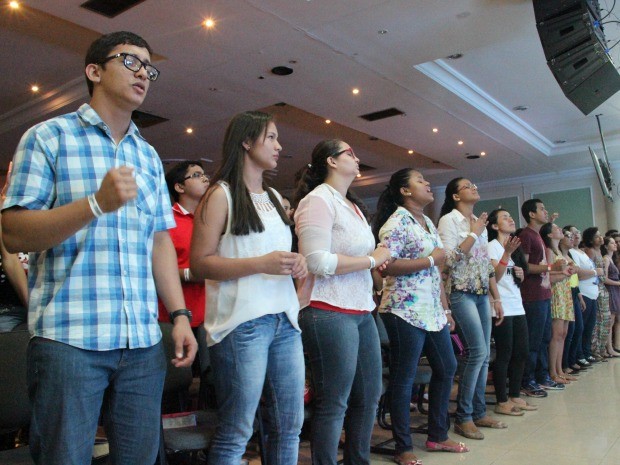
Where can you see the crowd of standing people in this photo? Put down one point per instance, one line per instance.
(277, 284)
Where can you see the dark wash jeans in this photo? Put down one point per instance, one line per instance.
(345, 360)
(538, 316)
(575, 351)
(406, 345)
(589, 322)
(68, 388)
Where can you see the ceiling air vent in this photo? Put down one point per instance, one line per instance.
(377, 115)
(110, 8)
(145, 120)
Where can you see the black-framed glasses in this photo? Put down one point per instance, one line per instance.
(133, 63)
(197, 175)
(468, 186)
(348, 151)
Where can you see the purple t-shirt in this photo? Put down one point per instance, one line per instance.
(532, 244)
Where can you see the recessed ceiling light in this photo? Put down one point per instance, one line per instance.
(455, 56)
(460, 142)
(435, 130)
(382, 31)
(520, 108)
(359, 175)
(410, 152)
(282, 70)
(559, 141)
(328, 121)
(483, 154)
(471, 156)
(35, 89)
(209, 23)
(355, 91)
(14, 5)
(189, 130)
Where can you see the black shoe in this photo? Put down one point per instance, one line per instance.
(583, 363)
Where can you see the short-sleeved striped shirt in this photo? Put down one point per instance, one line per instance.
(96, 289)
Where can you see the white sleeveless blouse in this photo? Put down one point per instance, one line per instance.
(233, 302)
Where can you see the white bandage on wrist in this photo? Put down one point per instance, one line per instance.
(94, 206)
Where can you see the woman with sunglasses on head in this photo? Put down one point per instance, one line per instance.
(339, 332)
(511, 336)
(470, 278)
(562, 308)
(241, 244)
(415, 311)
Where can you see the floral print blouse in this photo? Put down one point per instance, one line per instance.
(466, 272)
(416, 297)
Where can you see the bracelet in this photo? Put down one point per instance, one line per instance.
(431, 261)
(182, 311)
(186, 275)
(373, 262)
(497, 300)
(447, 311)
(501, 262)
(94, 206)
(473, 235)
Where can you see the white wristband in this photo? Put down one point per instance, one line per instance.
(373, 262)
(186, 275)
(432, 261)
(94, 206)
(473, 235)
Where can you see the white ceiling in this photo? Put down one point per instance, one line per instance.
(333, 46)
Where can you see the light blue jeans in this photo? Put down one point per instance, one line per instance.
(472, 314)
(68, 388)
(264, 352)
(345, 359)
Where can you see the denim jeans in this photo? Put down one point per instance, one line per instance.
(263, 352)
(345, 360)
(538, 314)
(575, 350)
(406, 344)
(472, 314)
(68, 389)
(511, 347)
(589, 321)
(12, 316)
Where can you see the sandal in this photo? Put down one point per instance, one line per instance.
(524, 405)
(514, 411)
(407, 458)
(457, 447)
(486, 422)
(470, 431)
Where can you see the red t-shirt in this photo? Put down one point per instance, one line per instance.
(194, 293)
(533, 246)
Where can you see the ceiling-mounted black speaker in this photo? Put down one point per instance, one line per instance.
(575, 47)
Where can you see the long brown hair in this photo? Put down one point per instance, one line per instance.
(243, 128)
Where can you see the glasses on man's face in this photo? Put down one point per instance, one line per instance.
(348, 151)
(135, 64)
(197, 175)
(468, 186)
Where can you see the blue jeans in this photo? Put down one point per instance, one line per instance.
(263, 352)
(12, 316)
(575, 350)
(538, 314)
(345, 360)
(472, 314)
(406, 344)
(68, 389)
(589, 321)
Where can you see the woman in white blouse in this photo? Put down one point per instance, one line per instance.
(241, 243)
(339, 333)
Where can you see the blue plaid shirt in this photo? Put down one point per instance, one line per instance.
(96, 289)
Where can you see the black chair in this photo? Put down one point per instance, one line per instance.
(422, 379)
(14, 403)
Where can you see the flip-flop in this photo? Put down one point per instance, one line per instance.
(457, 447)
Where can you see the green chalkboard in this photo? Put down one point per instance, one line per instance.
(574, 206)
(510, 204)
